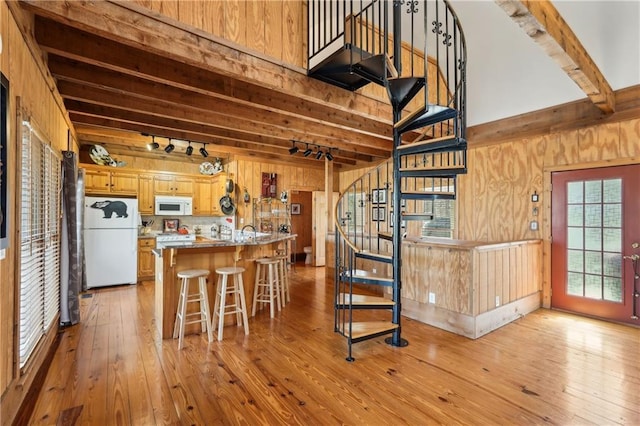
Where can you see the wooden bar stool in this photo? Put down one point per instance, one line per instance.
(266, 288)
(201, 297)
(224, 293)
(283, 275)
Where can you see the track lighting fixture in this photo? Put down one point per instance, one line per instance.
(203, 151)
(189, 149)
(319, 155)
(294, 149)
(169, 147)
(307, 151)
(153, 144)
(328, 155)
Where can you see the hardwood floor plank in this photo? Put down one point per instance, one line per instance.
(546, 368)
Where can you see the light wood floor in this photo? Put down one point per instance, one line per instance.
(546, 368)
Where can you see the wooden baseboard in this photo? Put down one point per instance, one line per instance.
(468, 325)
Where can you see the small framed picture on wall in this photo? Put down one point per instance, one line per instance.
(378, 214)
(295, 208)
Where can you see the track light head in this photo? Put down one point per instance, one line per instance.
(328, 156)
(169, 147)
(203, 151)
(189, 149)
(319, 154)
(153, 144)
(307, 152)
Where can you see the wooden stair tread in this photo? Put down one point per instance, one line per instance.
(362, 329)
(426, 169)
(425, 142)
(376, 253)
(359, 273)
(363, 300)
(426, 193)
(421, 110)
(385, 236)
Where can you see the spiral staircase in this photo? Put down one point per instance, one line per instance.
(415, 51)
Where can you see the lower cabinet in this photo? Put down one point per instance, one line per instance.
(146, 259)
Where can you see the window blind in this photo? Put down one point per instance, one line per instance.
(39, 239)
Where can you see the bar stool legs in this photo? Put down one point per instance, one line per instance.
(267, 289)
(201, 297)
(283, 275)
(235, 291)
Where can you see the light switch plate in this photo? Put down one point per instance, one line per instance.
(432, 297)
(533, 225)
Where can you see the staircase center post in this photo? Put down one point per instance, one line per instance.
(396, 338)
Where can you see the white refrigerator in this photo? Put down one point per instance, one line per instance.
(110, 240)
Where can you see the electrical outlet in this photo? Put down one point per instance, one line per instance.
(497, 301)
(374, 270)
(533, 225)
(241, 220)
(432, 297)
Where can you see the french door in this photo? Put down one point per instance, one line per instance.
(596, 231)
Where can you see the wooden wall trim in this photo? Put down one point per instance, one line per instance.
(24, 21)
(565, 117)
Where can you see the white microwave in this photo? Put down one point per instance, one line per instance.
(173, 206)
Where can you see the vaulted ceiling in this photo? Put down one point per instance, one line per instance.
(123, 75)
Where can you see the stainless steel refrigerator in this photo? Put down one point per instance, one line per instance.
(110, 240)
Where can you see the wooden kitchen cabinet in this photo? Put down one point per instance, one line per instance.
(146, 259)
(217, 192)
(173, 185)
(145, 195)
(202, 197)
(110, 182)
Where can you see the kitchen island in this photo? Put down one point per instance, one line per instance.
(206, 253)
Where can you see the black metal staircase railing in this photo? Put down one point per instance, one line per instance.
(416, 50)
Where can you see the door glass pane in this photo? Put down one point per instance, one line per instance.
(593, 262)
(613, 239)
(575, 286)
(613, 289)
(593, 191)
(612, 191)
(612, 215)
(593, 215)
(574, 215)
(575, 193)
(574, 238)
(575, 262)
(593, 286)
(594, 239)
(612, 264)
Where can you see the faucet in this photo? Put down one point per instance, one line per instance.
(255, 233)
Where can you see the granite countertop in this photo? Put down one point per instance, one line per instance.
(204, 242)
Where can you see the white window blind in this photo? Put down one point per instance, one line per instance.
(40, 239)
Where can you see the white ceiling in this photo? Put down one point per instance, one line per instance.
(509, 74)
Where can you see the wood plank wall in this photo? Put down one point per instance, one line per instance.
(275, 28)
(35, 91)
(247, 173)
(495, 196)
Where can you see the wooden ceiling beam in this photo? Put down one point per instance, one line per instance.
(79, 98)
(62, 40)
(233, 147)
(543, 23)
(150, 33)
(79, 74)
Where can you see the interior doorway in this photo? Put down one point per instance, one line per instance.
(301, 223)
(596, 229)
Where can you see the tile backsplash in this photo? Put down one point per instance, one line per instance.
(191, 222)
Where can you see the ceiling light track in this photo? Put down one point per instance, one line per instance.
(318, 152)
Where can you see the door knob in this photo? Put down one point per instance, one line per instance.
(635, 245)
